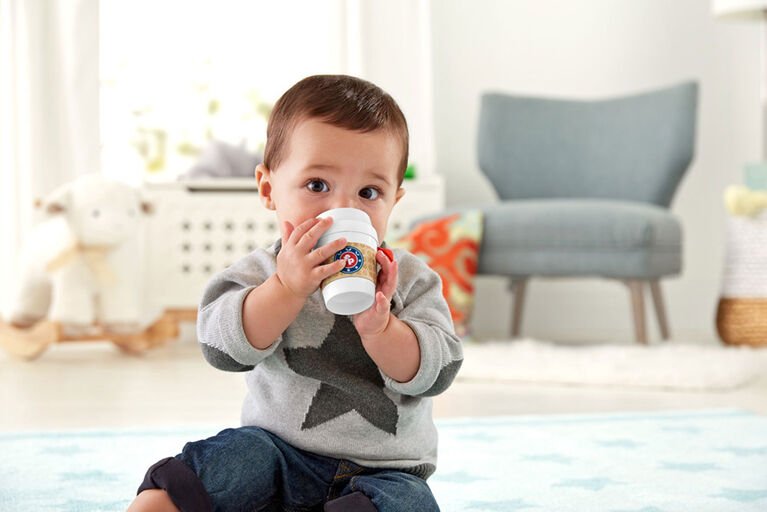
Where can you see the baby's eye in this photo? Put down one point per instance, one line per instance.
(369, 193)
(317, 186)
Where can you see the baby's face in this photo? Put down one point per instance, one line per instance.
(329, 167)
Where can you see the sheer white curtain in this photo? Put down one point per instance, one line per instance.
(49, 90)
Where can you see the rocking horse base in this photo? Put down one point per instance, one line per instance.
(30, 342)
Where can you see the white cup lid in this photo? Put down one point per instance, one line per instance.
(348, 219)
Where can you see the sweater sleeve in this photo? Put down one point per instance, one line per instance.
(219, 319)
(419, 303)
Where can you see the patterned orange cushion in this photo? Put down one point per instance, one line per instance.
(450, 246)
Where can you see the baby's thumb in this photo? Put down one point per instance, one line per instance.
(288, 231)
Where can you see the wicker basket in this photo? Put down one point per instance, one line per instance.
(741, 317)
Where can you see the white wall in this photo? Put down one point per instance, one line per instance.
(592, 49)
(394, 45)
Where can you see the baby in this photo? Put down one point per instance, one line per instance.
(338, 411)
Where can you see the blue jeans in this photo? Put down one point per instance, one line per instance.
(250, 469)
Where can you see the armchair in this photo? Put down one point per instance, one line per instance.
(585, 189)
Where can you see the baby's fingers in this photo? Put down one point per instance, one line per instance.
(288, 230)
(324, 271)
(324, 252)
(297, 234)
(381, 304)
(387, 277)
(309, 239)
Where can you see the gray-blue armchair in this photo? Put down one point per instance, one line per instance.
(585, 189)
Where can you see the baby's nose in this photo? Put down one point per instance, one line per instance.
(346, 202)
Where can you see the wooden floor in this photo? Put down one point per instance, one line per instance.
(94, 385)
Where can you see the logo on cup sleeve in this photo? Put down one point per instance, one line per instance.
(353, 258)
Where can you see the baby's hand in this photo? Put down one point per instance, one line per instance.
(299, 267)
(375, 320)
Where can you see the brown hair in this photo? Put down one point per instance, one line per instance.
(340, 100)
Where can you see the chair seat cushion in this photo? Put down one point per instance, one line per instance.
(577, 237)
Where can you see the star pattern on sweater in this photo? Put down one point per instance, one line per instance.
(350, 380)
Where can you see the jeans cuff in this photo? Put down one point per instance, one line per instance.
(181, 483)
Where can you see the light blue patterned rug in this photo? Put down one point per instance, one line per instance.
(634, 462)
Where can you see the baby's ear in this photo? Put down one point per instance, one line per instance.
(398, 196)
(263, 180)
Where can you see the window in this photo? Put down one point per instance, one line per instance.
(177, 75)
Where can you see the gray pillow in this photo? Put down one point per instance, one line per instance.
(223, 160)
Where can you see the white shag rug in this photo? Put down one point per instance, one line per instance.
(666, 365)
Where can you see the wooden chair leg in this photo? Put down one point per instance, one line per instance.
(660, 310)
(518, 287)
(636, 288)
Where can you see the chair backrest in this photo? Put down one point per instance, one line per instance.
(636, 147)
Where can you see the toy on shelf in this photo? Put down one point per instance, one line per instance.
(744, 202)
(80, 273)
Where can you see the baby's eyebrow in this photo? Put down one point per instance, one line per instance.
(331, 167)
(380, 177)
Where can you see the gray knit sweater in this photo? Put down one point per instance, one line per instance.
(316, 387)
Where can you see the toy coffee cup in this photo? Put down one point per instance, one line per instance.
(352, 290)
